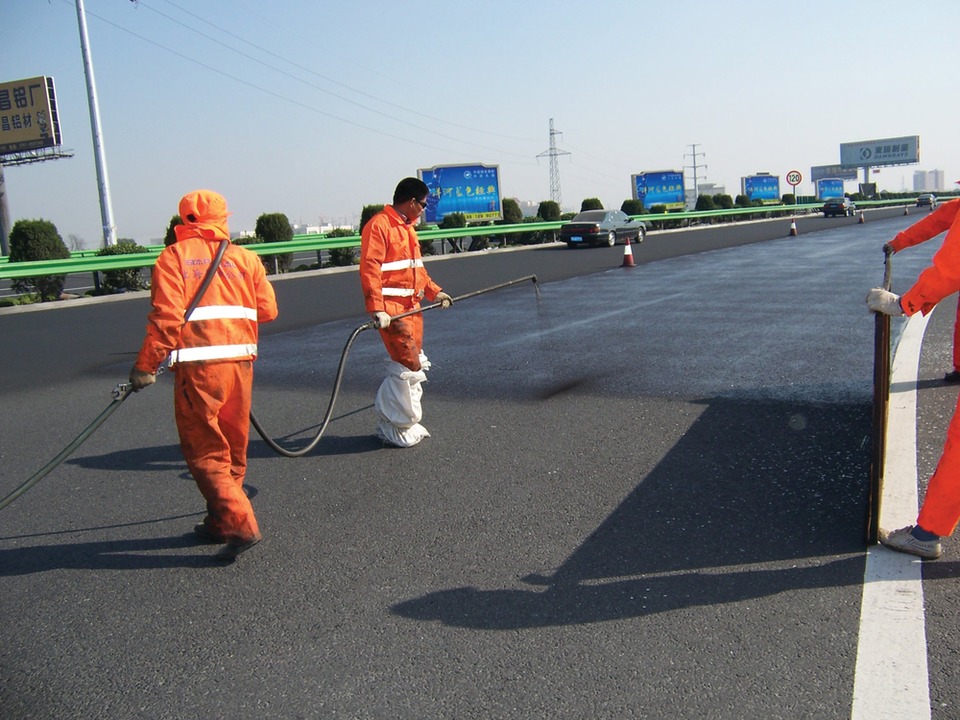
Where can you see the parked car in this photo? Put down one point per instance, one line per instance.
(602, 227)
(928, 199)
(839, 206)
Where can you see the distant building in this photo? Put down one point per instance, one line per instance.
(928, 181)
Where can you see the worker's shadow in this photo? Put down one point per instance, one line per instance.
(168, 458)
(757, 498)
(126, 554)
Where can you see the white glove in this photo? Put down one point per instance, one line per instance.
(381, 320)
(444, 299)
(884, 301)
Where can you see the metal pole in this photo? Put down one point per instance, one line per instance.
(4, 217)
(106, 211)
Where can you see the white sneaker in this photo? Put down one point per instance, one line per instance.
(902, 541)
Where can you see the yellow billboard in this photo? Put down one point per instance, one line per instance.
(28, 115)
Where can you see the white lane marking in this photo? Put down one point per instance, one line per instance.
(891, 679)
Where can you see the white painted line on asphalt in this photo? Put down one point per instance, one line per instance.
(891, 679)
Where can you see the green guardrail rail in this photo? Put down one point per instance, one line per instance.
(88, 261)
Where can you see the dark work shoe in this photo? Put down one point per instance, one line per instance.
(229, 552)
(206, 534)
(952, 377)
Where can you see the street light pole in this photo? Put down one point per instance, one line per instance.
(106, 211)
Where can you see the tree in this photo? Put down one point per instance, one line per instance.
(271, 228)
(512, 214)
(38, 240)
(368, 212)
(549, 210)
(591, 204)
(115, 281)
(454, 220)
(74, 242)
(743, 201)
(705, 202)
(170, 236)
(341, 257)
(632, 207)
(723, 201)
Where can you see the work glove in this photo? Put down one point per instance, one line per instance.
(381, 320)
(140, 379)
(888, 249)
(444, 300)
(884, 301)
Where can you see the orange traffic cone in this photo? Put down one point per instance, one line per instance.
(793, 228)
(861, 221)
(628, 256)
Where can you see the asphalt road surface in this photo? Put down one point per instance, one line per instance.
(643, 497)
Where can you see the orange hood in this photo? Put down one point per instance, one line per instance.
(204, 215)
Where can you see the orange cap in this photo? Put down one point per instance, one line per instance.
(204, 214)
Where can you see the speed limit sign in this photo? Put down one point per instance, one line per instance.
(794, 178)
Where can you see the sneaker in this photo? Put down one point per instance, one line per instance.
(206, 534)
(902, 541)
(952, 377)
(232, 549)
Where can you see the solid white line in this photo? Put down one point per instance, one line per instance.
(891, 679)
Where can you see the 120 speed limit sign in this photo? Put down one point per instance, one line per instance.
(794, 178)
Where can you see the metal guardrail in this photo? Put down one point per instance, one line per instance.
(88, 261)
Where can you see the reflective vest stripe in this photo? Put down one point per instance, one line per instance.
(397, 292)
(401, 265)
(213, 352)
(223, 312)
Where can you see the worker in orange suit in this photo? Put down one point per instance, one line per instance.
(394, 280)
(930, 227)
(940, 511)
(211, 353)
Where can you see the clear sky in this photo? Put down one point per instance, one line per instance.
(317, 108)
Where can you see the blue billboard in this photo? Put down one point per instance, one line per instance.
(763, 187)
(663, 187)
(829, 188)
(473, 190)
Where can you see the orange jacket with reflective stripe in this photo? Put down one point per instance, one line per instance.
(390, 263)
(224, 326)
(942, 278)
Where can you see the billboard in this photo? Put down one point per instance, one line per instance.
(661, 187)
(820, 172)
(829, 188)
(874, 153)
(473, 190)
(762, 186)
(28, 115)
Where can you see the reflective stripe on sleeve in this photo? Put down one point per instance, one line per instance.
(401, 265)
(213, 352)
(223, 312)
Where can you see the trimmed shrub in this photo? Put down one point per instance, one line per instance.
(341, 257)
(38, 240)
(271, 228)
(115, 281)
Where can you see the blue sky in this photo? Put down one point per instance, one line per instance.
(315, 109)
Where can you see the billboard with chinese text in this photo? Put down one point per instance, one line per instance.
(662, 187)
(821, 172)
(28, 115)
(763, 187)
(829, 188)
(887, 151)
(473, 190)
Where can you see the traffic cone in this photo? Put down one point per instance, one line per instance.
(628, 256)
(793, 228)
(861, 221)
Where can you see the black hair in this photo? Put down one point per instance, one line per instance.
(410, 188)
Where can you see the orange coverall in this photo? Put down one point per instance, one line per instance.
(924, 230)
(212, 354)
(941, 505)
(394, 280)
